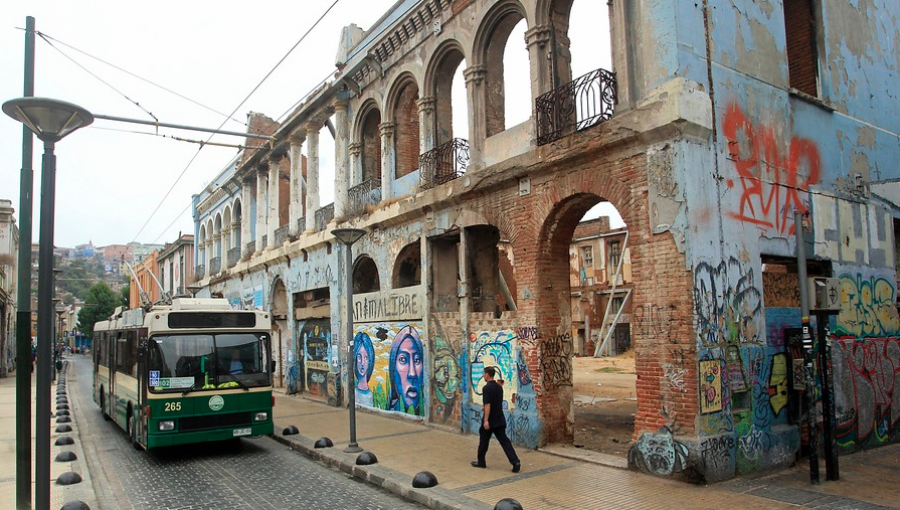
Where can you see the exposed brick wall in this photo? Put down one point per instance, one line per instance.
(284, 191)
(406, 134)
(801, 45)
(257, 124)
(371, 147)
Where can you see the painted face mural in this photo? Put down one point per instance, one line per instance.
(406, 366)
(396, 357)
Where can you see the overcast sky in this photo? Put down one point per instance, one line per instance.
(110, 179)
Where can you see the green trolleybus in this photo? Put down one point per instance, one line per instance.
(187, 372)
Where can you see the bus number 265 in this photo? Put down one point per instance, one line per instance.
(173, 406)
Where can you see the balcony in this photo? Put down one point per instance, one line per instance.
(363, 194)
(281, 235)
(323, 216)
(234, 255)
(443, 164)
(265, 241)
(215, 266)
(250, 247)
(583, 103)
(301, 225)
(199, 273)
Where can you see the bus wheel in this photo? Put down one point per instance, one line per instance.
(131, 424)
(103, 405)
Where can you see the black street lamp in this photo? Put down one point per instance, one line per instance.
(348, 236)
(51, 120)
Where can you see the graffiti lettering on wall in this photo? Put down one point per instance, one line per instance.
(756, 443)
(868, 307)
(556, 361)
(675, 376)
(710, 386)
(658, 453)
(727, 302)
(528, 334)
(445, 381)
(717, 451)
(770, 179)
(390, 363)
(315, 341)
(781, 290)
(394, 305)
(653, 321)
(867, 373)
(778, 383)
(498, 350)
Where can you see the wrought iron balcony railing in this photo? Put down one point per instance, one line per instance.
(234, 255)
(323, 216)
(585, 102)
(199, 272)
(444, 163)
(363, 194)
(281, 235)
(215, 266)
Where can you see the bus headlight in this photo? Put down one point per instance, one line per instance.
(261, 416)
(167, 425)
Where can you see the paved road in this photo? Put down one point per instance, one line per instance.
(257, 474)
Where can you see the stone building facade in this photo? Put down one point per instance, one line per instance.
(719, 120)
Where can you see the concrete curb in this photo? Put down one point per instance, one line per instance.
(387, 479)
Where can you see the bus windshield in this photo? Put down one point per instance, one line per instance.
(208, 361)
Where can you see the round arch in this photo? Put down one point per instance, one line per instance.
(365, 275)
(402, 110)
(408, 266)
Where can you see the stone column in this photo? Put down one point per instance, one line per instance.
(236, 237)
(538, 41)
(387, 158)
(272, 222)
(477, 123)
(341, 160)
(356, 169)
(246, 217)
(312, 175)
(296, 208)
(426, 124)
(216, 251)
(261, 177)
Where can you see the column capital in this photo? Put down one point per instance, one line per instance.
(313, 126)
(340, 104)
(426, 104)
(539, 35)
(475, 74)
(355, 149)
(262, 170)
(248, 179)
(274, 159)
(297, 137)
(386, 128)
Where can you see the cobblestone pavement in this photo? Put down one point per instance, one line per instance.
(253, 474)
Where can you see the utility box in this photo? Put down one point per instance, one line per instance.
(824, 293)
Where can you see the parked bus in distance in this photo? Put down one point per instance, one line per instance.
(187, 372)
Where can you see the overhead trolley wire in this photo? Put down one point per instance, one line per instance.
(241, 104)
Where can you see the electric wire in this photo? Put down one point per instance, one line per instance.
(241, 104)
(101, 80)
(145, 80)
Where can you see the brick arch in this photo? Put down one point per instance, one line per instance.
(368, 135)
(365, 275)
(402, 110)
(556, 13)
(442, 67)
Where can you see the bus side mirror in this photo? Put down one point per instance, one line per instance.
(272, 366)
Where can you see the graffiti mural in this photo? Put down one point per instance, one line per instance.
(445, 382)
(772, 179)
(728, 304)
(710, 386)
(556, 361)
(867, 375)
(658, 453)
(494, 349)
(315, 342)
(868, 307)
(390, 361)
(778, 383)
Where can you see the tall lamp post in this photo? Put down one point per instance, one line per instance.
(51, 120)
(348, 236)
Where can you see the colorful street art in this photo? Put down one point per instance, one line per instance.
(658, 453)
(446, 379)
(710, 386)
(390, 360)
(495, 349)
(778, 383)
(868, 307)
(727, 302)
(315, 342)
(772, 182)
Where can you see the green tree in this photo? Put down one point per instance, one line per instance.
(100, 303)
(126, 294)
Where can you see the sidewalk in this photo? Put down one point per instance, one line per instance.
(59, 494)
(548, 481)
